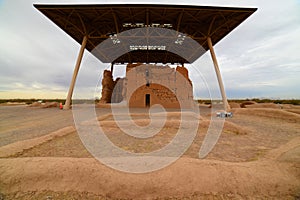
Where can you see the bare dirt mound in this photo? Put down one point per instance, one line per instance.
(19, 147)
(232, 127)
(292, 155)
(234, 105)
(228, 127)
(289, 152)
(185, 178)
(50, 105)
(263, 105)
(36, 104)
(270, 113)
(245, 103)
(66, 142)
(296, 110)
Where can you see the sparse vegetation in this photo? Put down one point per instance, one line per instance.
(277, 101)
(202, 101)
(30, 101)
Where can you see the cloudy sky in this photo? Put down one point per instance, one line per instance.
(261, 58)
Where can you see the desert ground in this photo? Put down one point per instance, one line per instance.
(256, 157)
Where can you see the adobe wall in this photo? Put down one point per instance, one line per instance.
(166, 86)
(107, 87)
(158, 95)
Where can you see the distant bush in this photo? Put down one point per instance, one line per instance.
(290, 101)
(30, 101)
(207, 102)
(202, 101)
(277, 101)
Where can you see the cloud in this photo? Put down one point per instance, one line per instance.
(262, 54)
(260, 58)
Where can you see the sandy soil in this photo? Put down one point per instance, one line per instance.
(22, 122)
(257, 156)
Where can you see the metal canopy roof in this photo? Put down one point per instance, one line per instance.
(100, 22)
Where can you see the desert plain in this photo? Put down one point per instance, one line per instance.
(256, 157)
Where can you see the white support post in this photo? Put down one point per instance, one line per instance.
(76, 69)
(219, 77)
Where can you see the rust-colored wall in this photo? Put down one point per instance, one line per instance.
(184, 72)
(107, 87)
(158, 95)
(167, 86)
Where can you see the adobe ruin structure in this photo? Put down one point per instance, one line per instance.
(102, 24)
(146, 84)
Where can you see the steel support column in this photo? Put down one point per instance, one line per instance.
(76, 69)
(219, 77)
